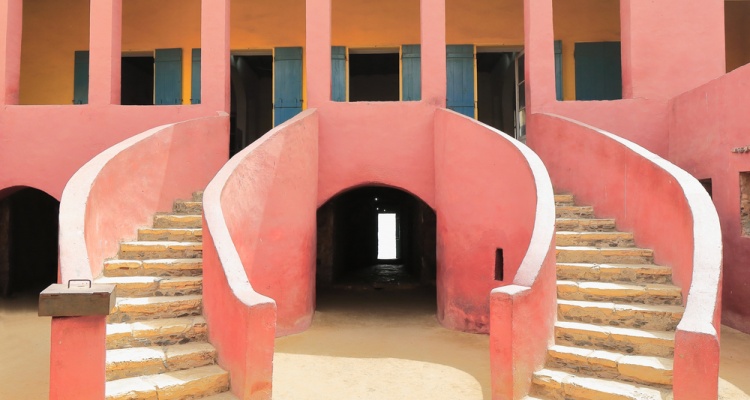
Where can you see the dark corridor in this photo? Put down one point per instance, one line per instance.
(28, 242)
(350, 252)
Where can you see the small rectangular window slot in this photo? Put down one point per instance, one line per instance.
(499, 265)
(708, 185)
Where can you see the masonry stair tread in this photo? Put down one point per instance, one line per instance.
(574, 211)
(649, 370)
(141, 250)
(154, 267)
(634, 315)
(585, 224)
(590, 388)
(129, 362)
(610, 238)
(190, 383)
(144, 286)
(170, 234)
(653, 293)
(623, 255)
(172, 220)
(166, 244)
(564, 199)
(156, 332)
(140, 308)
(607, 249)
(621, 306)
(187, 207)
(630, 335)
(614, 272)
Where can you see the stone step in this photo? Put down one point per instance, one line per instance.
(159, 250)
(157, 332)
(171, 234)
(221, 396)
(642, 316)
(129, 309)
(595, 239)
(585, 224)
(650, 293)
(136, 361)
(564, 199)
(198, 195)
(186, 384)
(574, 212)
(187, 207)
(555, 384)
(613, 255)
(613, 338)
(178, 221)
(647, 370)
(144, 286)
(641, 273)
(157, 267)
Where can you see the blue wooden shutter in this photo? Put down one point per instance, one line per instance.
(168, 76)
(338, 73)
(558, 70)
(460, 66)
(195, 78)
(411, 72)
(598, 71)
(287, 83)
(81, 78)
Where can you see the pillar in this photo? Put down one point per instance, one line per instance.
(11, 24)
(539, 38)
(432, 31)
(318, 51)
(215, 66)
(105, 52)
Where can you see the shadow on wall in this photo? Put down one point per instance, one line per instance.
(28, 240)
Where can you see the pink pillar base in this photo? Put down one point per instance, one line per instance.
(77, 358)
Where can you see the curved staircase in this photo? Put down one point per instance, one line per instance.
(157, 346)
(617, 312)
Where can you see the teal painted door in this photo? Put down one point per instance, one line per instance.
(168, 76)
(598, 71)
(460, 70)
(287, 83)
(338, 73)
(195, 77)
(411, 72)
(558, 70)
(81, 77)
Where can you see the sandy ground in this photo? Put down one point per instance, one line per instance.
(376, 345)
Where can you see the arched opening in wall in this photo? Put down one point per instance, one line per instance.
(588, 61)
(267, 40)
(54, 52)
(736, 32)
(375, 53)
(161, 52)
(28, 242)
(376, 237)
(484, 62)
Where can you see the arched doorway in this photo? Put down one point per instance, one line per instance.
(376, 237)
(28, 241)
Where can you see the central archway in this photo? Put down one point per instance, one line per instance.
(375, 237)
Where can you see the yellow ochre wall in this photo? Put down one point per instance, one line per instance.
(583, 21)
(737, 31)
(52, 31)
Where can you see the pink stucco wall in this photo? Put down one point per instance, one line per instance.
(667, 210)
(77, 358)
(705, 125)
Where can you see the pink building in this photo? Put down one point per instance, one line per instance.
(307, 120)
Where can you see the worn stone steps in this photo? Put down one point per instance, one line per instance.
(640, 273)
(178, 221)
(649, 293)
(142, 250)
(555, 384)
(129, 309)
(643, 316)
(130, 362)
(564, 199)
(171, 234)
(585, 224)
(198, 195)
(155, 267)
(573, 211)
(186, 384)
(187, 207)
(647, 370)
(145, 286)
(157, 332)
(613, 338)
(595, 239)
(611, 255)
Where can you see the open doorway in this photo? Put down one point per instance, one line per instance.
(497, 83)
(376, 237)
(373, 76)
(137, 81)
(252, 99)
(28, 242)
